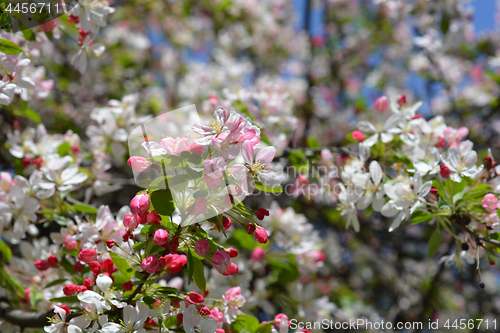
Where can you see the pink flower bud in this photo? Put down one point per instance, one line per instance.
(173, 262)
(87, 255)
(69, 244)
(69, 289)
(81, 289)
(358, 136)
(381, 104)
(130, 221)
(140, 203)
(160, 237)
(153, 217)
(95, 267)
(257, 254)
(42, 265)
(110, 243)
(233, 269)
(150, 264)
(202, 247)
(195, 297)
(88, 282)
(138, 163)
(196, 148)
(221, 261)
(261, 235)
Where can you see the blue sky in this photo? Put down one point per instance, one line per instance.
(484, 15)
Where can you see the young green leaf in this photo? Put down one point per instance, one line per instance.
(8, 47)
(434, 242)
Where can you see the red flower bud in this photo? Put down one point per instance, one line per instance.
(127, 286)
(52, 261)
(108, 266)
(233, 253)
(261, 235)
(81, 289)
(233, 269)
(66, 309)
(78, 267)
(42, 265)
(195, 297)
(261, 213)
(69, 289)
(87, 255)
(250, 227)
(110, 243)
(88, 282)
(444, 172)
(226, 222)
(95, 267)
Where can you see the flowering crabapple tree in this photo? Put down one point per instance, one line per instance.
(336, 170)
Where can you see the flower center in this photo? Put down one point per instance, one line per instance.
(216, 125)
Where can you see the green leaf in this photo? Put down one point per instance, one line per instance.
(66, 299)
(267, 189)
(56, 282)
(264, 328)
(190, 265)
(241, 239)
(245, 323)
(121, 264)
(478, 192)
(421, 216)
(368, 212)
(6, 251)
(139, 246)
(28, 113)
(162, 202)
(83, 208)
(312, 143)
(63, 149)
(458, 196)
(148, 300)
(8, 47)
(199, 274)
(434, 242)
(29, 34)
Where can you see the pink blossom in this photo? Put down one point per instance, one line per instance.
(221, 261)
(490, 202)
(196, 148)
(257, 254)
(175, 146)
(202, 247)
(200, 206)
(140, 203)
(139, 163)
(87, 255)
(232, 301)
(381, 104)
(69, 243)
(173, 262)
(160, 237)
(358, 136)
(150, 264)
(213, 171)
